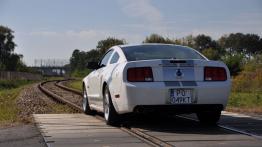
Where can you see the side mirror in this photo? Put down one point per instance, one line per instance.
(92, 65)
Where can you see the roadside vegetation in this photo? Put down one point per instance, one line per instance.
(78, 73)
(241, 52)
(246, 95)
(12, 84)
(9, 90)
(21, 98)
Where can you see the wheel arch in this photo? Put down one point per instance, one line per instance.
(103, 88)
(112, 100)
(83, 85)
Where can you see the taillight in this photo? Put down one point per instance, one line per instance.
(215, 74)
(140, 74)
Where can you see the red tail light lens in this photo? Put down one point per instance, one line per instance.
(215, 74)
(140, 74)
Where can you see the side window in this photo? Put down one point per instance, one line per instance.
(106, 58)
(115, 58)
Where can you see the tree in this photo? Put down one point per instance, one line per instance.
(92, 55)
(204, 42)
(155, 38)
(8, 59)
(251, 44)
(74, 60)
(104, 45)
(79, 58)
(189, 41)
(7, 45)
(211, 53)
(234, 62)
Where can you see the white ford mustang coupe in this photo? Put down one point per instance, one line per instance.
(160, 78)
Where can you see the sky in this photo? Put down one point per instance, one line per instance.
(47, 29)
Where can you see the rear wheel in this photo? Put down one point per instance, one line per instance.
(86, 107)
(110, 114)
(209, 117)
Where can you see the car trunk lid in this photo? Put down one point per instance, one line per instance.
(174, 69)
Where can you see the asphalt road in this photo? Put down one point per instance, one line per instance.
(21, 136)
(252, 125)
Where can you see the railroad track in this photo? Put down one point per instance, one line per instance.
(57, 91)
(56, 94)
(51, 89)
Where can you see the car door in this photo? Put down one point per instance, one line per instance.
(115, 75)
(96, 80)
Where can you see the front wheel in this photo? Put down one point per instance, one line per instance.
(209, 117)
(110, 114)
(86, 107)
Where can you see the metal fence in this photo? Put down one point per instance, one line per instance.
(13, 75)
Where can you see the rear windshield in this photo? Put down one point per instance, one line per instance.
(148, 52)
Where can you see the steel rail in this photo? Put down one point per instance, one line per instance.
(57, 97)
(58, 84)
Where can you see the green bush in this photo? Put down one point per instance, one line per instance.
(234, 63)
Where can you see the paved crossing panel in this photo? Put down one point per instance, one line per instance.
(82, 130)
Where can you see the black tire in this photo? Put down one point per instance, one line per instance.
(110, 114)
(209, 117)
(86, 107)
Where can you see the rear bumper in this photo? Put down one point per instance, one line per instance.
(157, 94)
(177, 109)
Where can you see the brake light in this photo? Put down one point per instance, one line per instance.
(215, 74)
(140, 74)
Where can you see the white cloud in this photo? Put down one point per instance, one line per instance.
(141, 9)
(43, 33)
(86, 34)
(149, 16)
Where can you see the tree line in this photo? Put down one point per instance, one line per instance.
(79, 58)
(235, 49)
(9, 60)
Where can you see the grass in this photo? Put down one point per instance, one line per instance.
(8, 111)
(9, 90)
(80, 73)
(9, 84)
(53, 78)
(245, 102)
(77, 84)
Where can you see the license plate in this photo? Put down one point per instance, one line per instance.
(181, 96)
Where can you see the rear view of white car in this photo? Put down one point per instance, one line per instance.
(156, 78)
